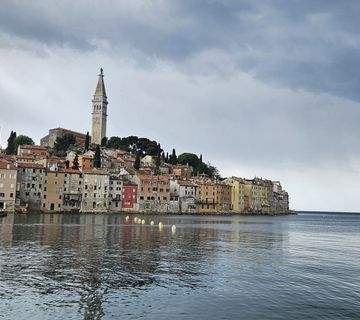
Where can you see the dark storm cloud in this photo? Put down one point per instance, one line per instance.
(300, 44)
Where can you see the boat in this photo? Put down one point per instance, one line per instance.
(22, 210)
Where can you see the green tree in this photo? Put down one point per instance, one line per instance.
(75, 165)
(63, 143)
(104, 141)
(97, 157)
(11, 147)
(23, 140)
(158, 159)
(190, 159)
(87, 142)
(173, 157)
(137, 161)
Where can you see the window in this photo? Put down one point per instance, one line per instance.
(44, 196)
(2, 195)
(11, 195)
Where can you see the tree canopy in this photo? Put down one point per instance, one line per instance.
(63, 143)
(134, 145)
(23, 140)
(97, 157)
(199, 167)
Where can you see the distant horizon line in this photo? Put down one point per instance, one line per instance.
(328, 212)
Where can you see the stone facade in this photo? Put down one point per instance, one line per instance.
(52, 191)
(187, 193)
(8, 176)
(50, 139)
(99, 114)
(95, 196)
(73, 188)
(29, 185)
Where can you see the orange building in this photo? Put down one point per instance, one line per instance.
(153, 192)
(26, 150)
(86, 162)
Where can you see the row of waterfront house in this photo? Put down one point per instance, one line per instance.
(38, 182)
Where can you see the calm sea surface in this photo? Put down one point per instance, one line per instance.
(63, 266)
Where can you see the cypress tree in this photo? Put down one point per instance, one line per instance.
(137, 161)
(173, 158)
(104, 141)
(97, 157)
(75, 165)
(11, 148)
(87, 142)
(158, 159)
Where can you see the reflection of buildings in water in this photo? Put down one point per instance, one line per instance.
(6, 230)
(51, 229)
(88, 254)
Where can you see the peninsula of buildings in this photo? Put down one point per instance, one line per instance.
(75, 172)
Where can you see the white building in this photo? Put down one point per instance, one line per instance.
(95, 197)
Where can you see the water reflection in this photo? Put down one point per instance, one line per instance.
(65, 260)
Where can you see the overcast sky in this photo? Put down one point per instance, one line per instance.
(260, 88)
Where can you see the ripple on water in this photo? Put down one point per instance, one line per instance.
(94, 266)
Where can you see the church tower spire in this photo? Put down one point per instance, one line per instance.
(99, 114)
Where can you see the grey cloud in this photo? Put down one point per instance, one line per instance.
(300, 44)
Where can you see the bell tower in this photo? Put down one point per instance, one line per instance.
(99, 113)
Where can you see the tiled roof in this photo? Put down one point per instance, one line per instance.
(70, 171)
(30, 165)
(7, 166)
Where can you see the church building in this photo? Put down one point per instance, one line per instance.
(99, 114)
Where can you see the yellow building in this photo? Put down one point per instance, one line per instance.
(52, 191)
(214, 196)
(257, 196)
(207, 196)
(237, 194)
(8, 176)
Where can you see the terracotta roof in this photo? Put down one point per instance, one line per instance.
(97, 171)
(30, 165)
(25, 157)
(68, 131)
(33, 147)
(7, 166)
(186, 183)
(70, 171)
(129, 184)
(153, 177)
